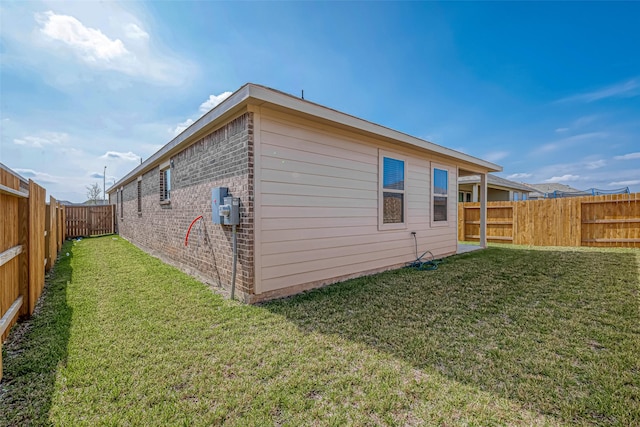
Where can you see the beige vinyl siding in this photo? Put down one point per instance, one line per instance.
(318, 197)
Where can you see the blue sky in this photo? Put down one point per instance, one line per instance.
(550, 91)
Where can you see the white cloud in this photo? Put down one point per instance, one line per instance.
(626, 183)
(39, 141)
(630, 156)
(495, 156)
(207, 105)
(98, 43)
(135, 32)
(181, 127)
(567, 177)
(90, 44)
(40, 177)
(519, 176)
(213, 101)
(561, 130)
(626, 89)
(596, 164)
(115, 155)
(570, 140)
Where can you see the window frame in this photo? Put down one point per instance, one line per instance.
(165, 195)
(433, 194)
(382, 226)
(465, 195)
(121, 202)
(139, 185)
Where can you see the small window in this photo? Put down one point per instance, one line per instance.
(393, 191)
(139, 196)
(464, 196)
(165, 184)
(440, 194)
(121, 203)
(392, 201)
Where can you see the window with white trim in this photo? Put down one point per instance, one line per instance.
(392, 198)
(121, 203)
(139, 195)
(165, 184)
(440, 195)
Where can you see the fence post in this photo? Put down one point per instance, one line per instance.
(37, 209)
(23, 232)
(461, 222)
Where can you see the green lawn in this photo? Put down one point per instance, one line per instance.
(506, 336)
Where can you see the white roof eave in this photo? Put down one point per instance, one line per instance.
(250, 92)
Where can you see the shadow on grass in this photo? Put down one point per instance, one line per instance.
(557, 331)
(35, 349)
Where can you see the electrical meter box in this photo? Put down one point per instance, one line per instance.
(217, 199)
(231, 210)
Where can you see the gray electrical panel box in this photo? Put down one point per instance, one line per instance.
(230, 211)
(217, 199)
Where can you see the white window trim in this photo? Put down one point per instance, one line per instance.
(121, 203)
(163, 167)
(464, 195)
(139, 194)
(440, 166)
(381, 190)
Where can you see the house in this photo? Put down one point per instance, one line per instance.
(323, 196)
(498, 189)
(541, 190)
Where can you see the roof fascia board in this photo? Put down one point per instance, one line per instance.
(498, 184)
(226, 107)
(250, 93)
(309, 108)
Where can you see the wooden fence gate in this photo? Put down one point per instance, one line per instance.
(607, 221)
(85, 221)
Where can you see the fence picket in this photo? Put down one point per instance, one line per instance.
(608, 221)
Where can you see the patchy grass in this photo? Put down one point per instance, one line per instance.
(502, 336)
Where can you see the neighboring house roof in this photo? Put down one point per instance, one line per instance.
(260, 95)
(550, 188)
(495, 181)
(539, 190)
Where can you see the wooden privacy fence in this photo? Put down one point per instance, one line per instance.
(88, 220)
(608, 221)
(31, 235)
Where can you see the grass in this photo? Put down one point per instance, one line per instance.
(498, 337)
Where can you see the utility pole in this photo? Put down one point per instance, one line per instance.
(104, 184)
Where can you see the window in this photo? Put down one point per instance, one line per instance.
(140, 195)
(464, 196)
(440, 190)
(165, 184)
(121, 203)
(392, 202)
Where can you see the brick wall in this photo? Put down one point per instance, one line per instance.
(223, 158)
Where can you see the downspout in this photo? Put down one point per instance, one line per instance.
(235, 262)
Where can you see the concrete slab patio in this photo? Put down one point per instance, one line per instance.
(464, 248)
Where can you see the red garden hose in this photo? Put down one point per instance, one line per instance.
(186, 239)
